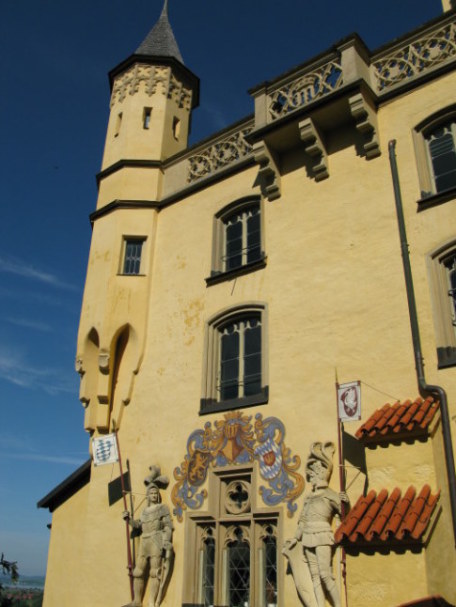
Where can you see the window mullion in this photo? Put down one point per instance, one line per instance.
(244, 238)
(241, 376)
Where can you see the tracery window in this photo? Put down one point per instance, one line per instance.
(236, 548)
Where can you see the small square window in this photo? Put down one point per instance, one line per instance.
(132, 256)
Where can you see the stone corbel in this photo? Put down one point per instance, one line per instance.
(365, 117)
(315, 147)
(268, 172)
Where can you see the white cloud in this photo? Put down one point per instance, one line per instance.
(28, 324)
(15, 369)
(39, 457)
(26, 270)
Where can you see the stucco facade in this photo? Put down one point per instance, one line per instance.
(327, 290)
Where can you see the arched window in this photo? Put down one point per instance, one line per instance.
(441, 147)
(435, 145)
(235, 369)
(442, 269)
(238, 239)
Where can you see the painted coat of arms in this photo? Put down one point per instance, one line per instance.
(234, 440)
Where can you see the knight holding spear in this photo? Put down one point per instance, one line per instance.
(155, 547)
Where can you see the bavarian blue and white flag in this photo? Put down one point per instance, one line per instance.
(104, 449)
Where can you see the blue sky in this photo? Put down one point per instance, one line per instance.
(54, 60)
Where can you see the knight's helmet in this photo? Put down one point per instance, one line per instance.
(320, 460)
(156, 478)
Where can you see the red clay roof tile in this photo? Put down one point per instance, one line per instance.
(407, 418)
(379, 519)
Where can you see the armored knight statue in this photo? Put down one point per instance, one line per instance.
(310, 551)
(155, 544)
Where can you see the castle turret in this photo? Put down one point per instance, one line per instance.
(152, 96)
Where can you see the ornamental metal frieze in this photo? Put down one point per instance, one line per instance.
(305, 89)
(234, 440)
(409, 61)
(219, 155)
(154, 79)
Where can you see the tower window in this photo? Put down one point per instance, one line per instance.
(147, 113)
(132, 256)
(176, 128)
(118, 124)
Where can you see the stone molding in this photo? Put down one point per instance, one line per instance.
(154, 80)
(304, 89)
(315, 147)
(414, 58)
(366, 123)
(268, 171)
(220, 154)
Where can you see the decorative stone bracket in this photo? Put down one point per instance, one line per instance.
(315, 147)
(366, 122)
(268, 172)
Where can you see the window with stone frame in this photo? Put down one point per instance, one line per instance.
(442, 267)
(435, 144)
(238, 239)
(235, 365)
(233, 547)
(132, 256)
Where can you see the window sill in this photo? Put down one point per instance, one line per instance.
(446, 357)
(210, 405)
(122, 274)
(217, 277)
(432, 200)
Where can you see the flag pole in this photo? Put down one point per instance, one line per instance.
(127, 525)
(132, 514)
(340, 429)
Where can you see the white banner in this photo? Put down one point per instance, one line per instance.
(104, 450)
(349, 401)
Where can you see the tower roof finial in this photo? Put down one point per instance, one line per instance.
(160, 41)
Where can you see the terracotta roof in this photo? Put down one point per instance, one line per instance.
(400, 420)
(379, 519)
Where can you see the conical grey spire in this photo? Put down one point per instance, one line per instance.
(160, 40)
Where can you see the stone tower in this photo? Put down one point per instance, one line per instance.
(152, 96)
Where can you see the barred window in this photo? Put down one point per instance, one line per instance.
(442, 274)
(442, 153)
(238, 245)
(235, 370)
(132, 256)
